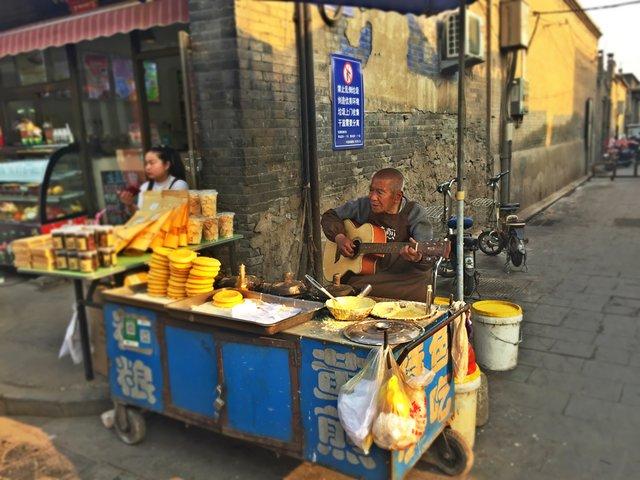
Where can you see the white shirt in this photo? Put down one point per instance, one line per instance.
(178, 185)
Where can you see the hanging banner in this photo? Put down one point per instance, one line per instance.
(347, 86)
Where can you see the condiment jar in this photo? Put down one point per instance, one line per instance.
(57, 236)
(61, 259)
(86, 262)
(108, 257)
(72, 260)
(85, 240)
(105, 236)
(70, 239)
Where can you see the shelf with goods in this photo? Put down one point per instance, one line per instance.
(38, 192)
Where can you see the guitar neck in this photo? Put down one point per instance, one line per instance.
(395, 247)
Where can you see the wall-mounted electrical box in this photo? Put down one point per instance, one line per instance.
(514, 24)
(519, 98)
(448, 40)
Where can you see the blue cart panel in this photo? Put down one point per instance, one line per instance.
(135, 371)
(192, 370)
(326, 367)
(258, 394)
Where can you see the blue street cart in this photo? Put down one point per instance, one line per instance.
(275, 385)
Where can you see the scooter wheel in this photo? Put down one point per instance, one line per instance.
(515, 253)
(490, 243)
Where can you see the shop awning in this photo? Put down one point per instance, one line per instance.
(103, 22)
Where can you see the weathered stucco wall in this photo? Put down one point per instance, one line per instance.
(561, 68)
(249, 109)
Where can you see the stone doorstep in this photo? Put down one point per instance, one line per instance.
(85, 400)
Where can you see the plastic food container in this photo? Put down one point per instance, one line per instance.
(209, 202)
(194, 230)
(225, 224)
(61, 260)
(194, 202)
(108, 257)
(210, 229)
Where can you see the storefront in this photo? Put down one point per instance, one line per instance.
(110, 81)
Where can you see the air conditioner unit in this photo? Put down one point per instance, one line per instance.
(474, 45)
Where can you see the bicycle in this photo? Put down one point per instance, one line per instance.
(506, 231)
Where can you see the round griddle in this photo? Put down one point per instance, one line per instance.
(371, 332)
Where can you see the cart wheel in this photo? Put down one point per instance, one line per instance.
(129, 424)
(450, 453)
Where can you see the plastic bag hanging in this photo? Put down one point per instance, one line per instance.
(358, 400)
(394, 427)
(460, 346)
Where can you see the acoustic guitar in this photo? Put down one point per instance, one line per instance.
(370, 246)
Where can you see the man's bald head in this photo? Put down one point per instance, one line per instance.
(393, 175)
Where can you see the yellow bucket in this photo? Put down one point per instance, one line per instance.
(496, 333)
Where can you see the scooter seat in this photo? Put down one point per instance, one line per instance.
(468, 222)
(509, 207)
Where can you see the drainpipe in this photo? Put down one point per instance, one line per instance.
(460, 193)
(310, 172)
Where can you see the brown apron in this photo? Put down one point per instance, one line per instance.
(395, 277)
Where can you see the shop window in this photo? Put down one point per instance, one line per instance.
(8, 74)
(58, 64)
(160, 38)
(31, 68)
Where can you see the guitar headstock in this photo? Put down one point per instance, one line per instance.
(432, 251)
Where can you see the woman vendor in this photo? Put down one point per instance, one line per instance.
(164, 170)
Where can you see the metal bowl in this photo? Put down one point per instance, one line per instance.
(350, 308)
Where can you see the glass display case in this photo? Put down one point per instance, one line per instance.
(40, 189)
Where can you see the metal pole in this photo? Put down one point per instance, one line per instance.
(314, 175)
(462, 38)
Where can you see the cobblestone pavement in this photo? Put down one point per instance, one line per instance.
(570, 408)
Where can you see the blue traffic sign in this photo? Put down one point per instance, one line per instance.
(348, 102)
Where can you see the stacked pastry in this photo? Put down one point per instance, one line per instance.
(202, 276)
(180, 262)
(158, 272)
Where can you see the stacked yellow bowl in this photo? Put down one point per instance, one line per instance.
(158, 272)
(227, 298)
(202, 275)
(180, 261)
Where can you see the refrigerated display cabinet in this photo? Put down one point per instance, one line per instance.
(40, 189)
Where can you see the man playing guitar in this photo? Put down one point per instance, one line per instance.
(401, 276)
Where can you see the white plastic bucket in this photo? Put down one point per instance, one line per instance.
(496, 333)
(465, 406)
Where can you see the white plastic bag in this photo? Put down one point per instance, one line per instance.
(71, 344)
(460, 347)
(358, 400)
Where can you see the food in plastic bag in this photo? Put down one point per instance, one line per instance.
(460, 347)
(418, 398)
(393, 428)
(358, 400)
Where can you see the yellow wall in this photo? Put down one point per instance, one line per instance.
(560, 67)
(618, 105)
